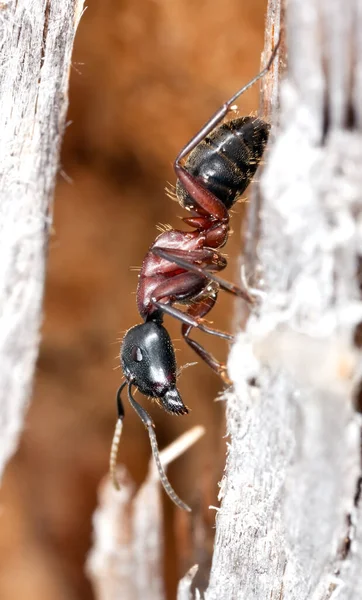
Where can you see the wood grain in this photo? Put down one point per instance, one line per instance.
(36, 40)
(289, 525)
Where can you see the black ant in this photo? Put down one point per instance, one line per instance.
(179, 266)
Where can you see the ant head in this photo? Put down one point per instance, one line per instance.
(148, 361)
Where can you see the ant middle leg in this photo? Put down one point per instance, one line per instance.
(179, 257)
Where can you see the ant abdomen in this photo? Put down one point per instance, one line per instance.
(227, 159)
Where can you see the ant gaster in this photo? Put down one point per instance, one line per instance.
(180, 266)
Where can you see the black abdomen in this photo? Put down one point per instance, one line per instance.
(226, 160)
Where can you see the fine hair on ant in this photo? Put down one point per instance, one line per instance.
(180, 266)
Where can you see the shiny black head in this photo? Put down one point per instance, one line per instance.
(148, 360)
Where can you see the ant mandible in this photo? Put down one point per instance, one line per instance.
(179, 266)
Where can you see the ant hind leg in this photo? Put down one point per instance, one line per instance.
(221, 113)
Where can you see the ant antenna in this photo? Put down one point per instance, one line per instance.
(114, 453)
(165, 482)
(148, 423)
(116, 439)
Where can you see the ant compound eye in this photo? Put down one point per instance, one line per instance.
(136, 354)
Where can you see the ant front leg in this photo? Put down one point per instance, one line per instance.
(203, 198)
(189, 320)
(179, 288)
(200, 310)
(175, 288)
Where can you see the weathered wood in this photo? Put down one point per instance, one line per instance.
(289, 496)
(184, 588)
(126, 560)
(110, 563)
(36, 40)
(268, 110)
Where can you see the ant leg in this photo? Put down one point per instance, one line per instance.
(223, 110)
(201, 257)
(182, 287)
(174, 257)
(149, 424)
(202, 197)
(189, 320)
(200, 310)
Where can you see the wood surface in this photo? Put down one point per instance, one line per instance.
(36, 42)
(289, 524)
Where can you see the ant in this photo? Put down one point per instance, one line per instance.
(180, 266)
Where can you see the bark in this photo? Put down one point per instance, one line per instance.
(36, 40)
(290, 522)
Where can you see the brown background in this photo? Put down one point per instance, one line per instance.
(145, 77)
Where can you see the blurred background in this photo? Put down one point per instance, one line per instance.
(145, 76)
